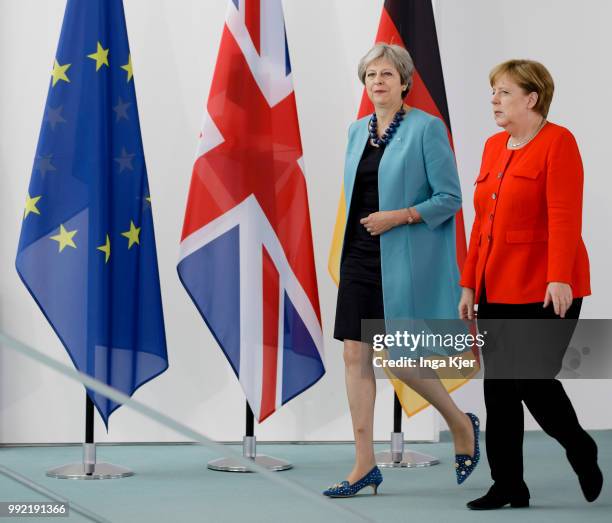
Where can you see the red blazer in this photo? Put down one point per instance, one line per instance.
(527, 229)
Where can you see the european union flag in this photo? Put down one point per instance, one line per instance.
(87, 248)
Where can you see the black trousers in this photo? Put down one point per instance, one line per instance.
(543, 395)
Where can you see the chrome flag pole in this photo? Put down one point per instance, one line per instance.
(249, 450)
(89, 468)
(397, 456)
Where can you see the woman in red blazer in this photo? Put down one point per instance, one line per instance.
(526, 259)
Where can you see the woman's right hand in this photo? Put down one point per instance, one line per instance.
(466, 304)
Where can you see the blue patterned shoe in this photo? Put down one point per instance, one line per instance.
(346, 490)
(464, 464)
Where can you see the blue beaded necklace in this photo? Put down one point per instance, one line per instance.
(389, 131)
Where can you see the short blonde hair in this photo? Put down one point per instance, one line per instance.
(397, 55)
(532, 77)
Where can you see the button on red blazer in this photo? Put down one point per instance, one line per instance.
(527, 228)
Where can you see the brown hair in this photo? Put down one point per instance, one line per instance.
(532, 77)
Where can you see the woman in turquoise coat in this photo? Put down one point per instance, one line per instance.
(399, 259)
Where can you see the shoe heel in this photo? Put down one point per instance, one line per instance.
(520, 503)
(375, 486)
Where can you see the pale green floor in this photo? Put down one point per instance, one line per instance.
(173, 485)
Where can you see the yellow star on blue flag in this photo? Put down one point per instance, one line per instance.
(100, 56)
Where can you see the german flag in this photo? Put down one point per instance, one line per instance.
(411, 24)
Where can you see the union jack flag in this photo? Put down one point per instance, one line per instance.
(246, 255)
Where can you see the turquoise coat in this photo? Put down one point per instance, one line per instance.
(419, 262)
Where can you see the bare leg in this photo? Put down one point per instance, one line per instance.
(361, 393)
(426, 383)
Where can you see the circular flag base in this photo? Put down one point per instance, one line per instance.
(94, 471)
(231, 465)
(407, 459)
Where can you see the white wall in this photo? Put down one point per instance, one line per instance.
(174, 45)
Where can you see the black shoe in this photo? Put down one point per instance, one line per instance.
(591, 483)
(495, 499)
(584, 462)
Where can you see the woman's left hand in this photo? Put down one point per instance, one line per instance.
(560, 294)
(382, 221)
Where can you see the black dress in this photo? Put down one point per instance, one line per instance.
(360, 289)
